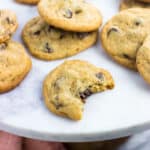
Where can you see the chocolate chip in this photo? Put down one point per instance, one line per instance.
(9, 21)
(83, 100)
(138, 22)
(37, 32)
(100, 76)
(58, 106)
(127, 57)
(49, 28)
(62, 35)
(85, 94)
(53, 29)
(3, 46)
(82, 35)
(78, 11)
(68, 14)
(48, 49)
(113, 29)
(56, 85)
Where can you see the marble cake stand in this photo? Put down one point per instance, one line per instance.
(112, 114)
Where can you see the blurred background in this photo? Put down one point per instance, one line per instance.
(139, 141)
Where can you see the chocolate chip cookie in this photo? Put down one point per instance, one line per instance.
(126, 4)
(143, 60)
(123, 35)
(8, 24)
(50, 43)
(32, 2)
(72, 15)
(14, 65)
(66, 87)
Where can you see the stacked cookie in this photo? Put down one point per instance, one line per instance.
(63, 29)
(14, 62)
(126, 38)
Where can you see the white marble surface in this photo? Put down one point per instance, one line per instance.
(122, 111)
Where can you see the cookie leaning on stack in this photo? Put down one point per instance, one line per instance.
(14, 62)
(69, 28)
(71, 15)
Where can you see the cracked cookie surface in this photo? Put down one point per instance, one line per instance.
(66, 87)
(50, 43)
(126, 4)
(8, 24)
(72, 15)
(143, 60)
(28, 1)
(14, 65)
(123, 35)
